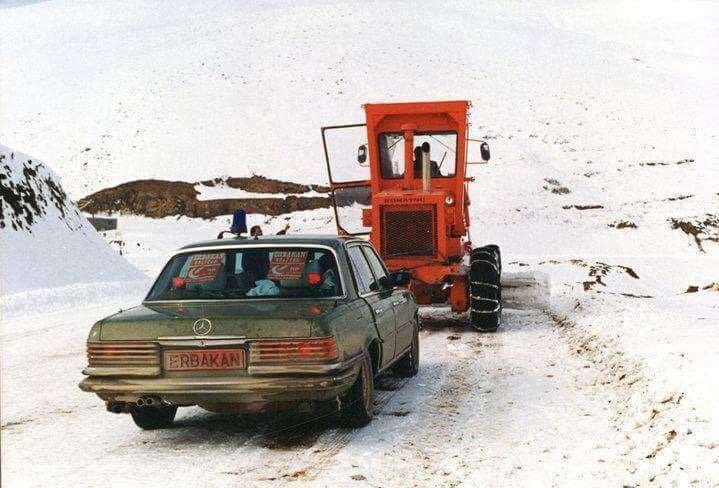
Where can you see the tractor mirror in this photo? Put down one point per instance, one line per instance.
(401, 278)
(362, 154)
(484, 150)
(477, 151)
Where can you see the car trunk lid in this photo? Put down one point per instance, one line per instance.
(266, 319)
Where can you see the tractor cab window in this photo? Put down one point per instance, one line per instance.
(442, 154)
(391, 154)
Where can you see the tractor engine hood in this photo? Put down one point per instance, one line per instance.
(266, 319)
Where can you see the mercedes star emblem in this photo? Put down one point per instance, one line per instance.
(202, 327)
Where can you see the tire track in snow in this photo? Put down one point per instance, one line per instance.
(439, 447)
(335, 440)
(511, 408)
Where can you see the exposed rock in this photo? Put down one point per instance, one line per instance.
(582, 207)
(25, 195)
(556, 187)
(623, 225)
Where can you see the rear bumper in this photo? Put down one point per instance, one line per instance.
(261, 384)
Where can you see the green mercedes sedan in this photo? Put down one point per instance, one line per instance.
(250, 324)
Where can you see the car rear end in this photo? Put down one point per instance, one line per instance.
(217, 370)
(200, 338)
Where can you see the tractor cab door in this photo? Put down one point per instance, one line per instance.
(348, 171)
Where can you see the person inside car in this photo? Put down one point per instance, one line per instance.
(328, 270)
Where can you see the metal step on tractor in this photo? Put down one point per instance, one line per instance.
(406, 188)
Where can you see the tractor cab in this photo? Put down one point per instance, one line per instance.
(407, 187)
(400, 178)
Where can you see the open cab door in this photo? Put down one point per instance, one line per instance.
(348, 171)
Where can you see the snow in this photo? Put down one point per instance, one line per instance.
(583, 103)
(222, 190)
(47, 244)
(237, 89)
(657, 354)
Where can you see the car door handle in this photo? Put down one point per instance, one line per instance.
(399, 302)
(379, 311)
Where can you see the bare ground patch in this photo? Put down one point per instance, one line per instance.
(623, 224)
(583, 207)
(700, 229)
(555, 187)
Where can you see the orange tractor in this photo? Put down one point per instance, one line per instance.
(407, 190)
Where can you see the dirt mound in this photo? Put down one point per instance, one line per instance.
(160, 198)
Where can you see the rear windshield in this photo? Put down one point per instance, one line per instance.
(249, 273)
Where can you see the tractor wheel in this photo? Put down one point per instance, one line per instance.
(485, 291)
(489, 250)
(495, 249)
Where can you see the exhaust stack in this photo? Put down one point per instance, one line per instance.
(425, 167)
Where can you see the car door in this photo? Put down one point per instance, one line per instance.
(380, 303)
(401, 302)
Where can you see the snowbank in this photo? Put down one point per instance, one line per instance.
(46, 244)
(654, 345)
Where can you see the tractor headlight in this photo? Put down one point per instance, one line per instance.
(449, 200)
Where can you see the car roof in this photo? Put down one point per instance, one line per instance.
(333, 241)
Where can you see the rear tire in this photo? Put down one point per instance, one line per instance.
(357, 405)
(485, 289)
(151, 418)
(408, 366)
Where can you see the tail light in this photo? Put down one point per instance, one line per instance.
(123, 353)
(300, 350)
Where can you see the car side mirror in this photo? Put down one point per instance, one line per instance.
(362, 154)
(484, 151)
(385, 283)
(401, 278)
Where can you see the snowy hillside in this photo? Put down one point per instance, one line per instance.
(46, 243)
(179, 90)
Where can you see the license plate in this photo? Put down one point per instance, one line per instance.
(207, 359)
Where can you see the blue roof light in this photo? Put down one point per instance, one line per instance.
(239, 222)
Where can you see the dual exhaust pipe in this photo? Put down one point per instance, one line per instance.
(148, 401)
(143, 401)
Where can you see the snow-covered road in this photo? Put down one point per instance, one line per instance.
(513, 408)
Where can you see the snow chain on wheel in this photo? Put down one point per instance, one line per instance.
(485, 290)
